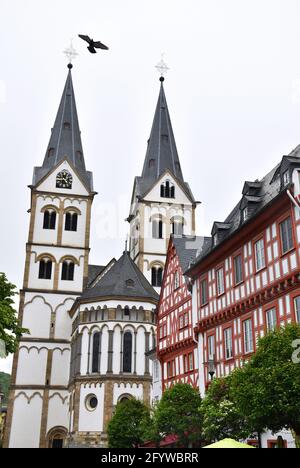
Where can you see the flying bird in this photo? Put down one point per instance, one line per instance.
(93, 45)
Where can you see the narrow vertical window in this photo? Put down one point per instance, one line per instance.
(71, 222)
(260, 258)
(96, 353)
(49, 219)
(271, 319)
(248, 336)
(238, 269)
(204, 292)
(286, 234)
(297, 308)
(220, 281)
(211, 348)
(176, 280)
(67, 273)
(156, 277)
(127, 352)
(228, 343)
(157, 229)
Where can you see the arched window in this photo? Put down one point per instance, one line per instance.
(67, 273)
(177, 228)
(157, 229)
(167, 190)
(45, 270)
(127, 352)
(71, 221)
(96, 353)
(126, 312)
(156, 277)
(56, 437)
(49, 219)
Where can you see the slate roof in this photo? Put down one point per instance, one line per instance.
(124, 279)
(189, 247)
(93, 272)
(162, 152)
(65, 141)
(265, 191)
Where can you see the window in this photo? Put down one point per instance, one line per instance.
(248, 336)
(156, 371)
(260, 258)
(45, 270)
(157, 229)
(67, 126)
(286, 234)
(167, 190)
(91, 402)
(238, 269)
(127, 352)
(177, 228)
(211, 348)
(245, 214)
(126, 312)
(96, 353)
(286, 178)
(49, 219)
(67, 273)
(157, 277)
(228, 343)
(191, 362)
(271, 319)
(71, 221)
(204, 292)
(215, 240)
(151, 163)
(176, 280)
(181, 321)
(220, 281)
(297, 308)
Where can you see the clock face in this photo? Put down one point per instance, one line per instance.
(64, 180)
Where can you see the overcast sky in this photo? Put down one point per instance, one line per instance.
(233, 92)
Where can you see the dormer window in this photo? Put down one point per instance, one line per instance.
(167, 190)
(67, 126)
(245, 214)
(215, 240)
(151, 163)
(286, 178)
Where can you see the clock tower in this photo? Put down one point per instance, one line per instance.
(56, 272)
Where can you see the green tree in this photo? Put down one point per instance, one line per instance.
(221, 417)
(127, 426)
(10, 329)
(4, 385)
(267, 389)
(178, 413)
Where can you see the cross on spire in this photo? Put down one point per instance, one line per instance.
(162, 67)
(71, 53)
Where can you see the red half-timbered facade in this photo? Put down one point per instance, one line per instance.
(247, 282)
(177, 348)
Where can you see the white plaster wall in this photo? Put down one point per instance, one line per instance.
(134, 390)
(37, 317)
(49, 184)
(285, 434)
(117, 350)
(76, 238)
(31, 365)
(63, 321)
(141, 342)
(58, 412)
(60, 367)
(25, 429)
(40, 235)
(91, 421)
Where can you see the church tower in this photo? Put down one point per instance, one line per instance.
(56, 272)
(162, 202)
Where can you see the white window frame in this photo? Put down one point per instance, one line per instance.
(211, 347)
(228, 340)
(220, 281)
(271, 317)
(260, 254)
(297, 308)
(248, 336)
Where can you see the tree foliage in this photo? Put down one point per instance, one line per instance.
(127, 427)
(4, 385)
(221, 417)
(10, 329)
(178, 413)
(267, 389)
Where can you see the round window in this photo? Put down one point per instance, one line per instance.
(91, 402)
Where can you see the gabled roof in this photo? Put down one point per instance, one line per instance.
(188, 248)
(123, 279)
(65, 141)
(266, 190)
(162, 152)
(94, 271)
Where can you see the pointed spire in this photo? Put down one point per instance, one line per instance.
(65, 141)
(162, 152)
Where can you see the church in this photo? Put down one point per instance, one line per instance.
(92, 327)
